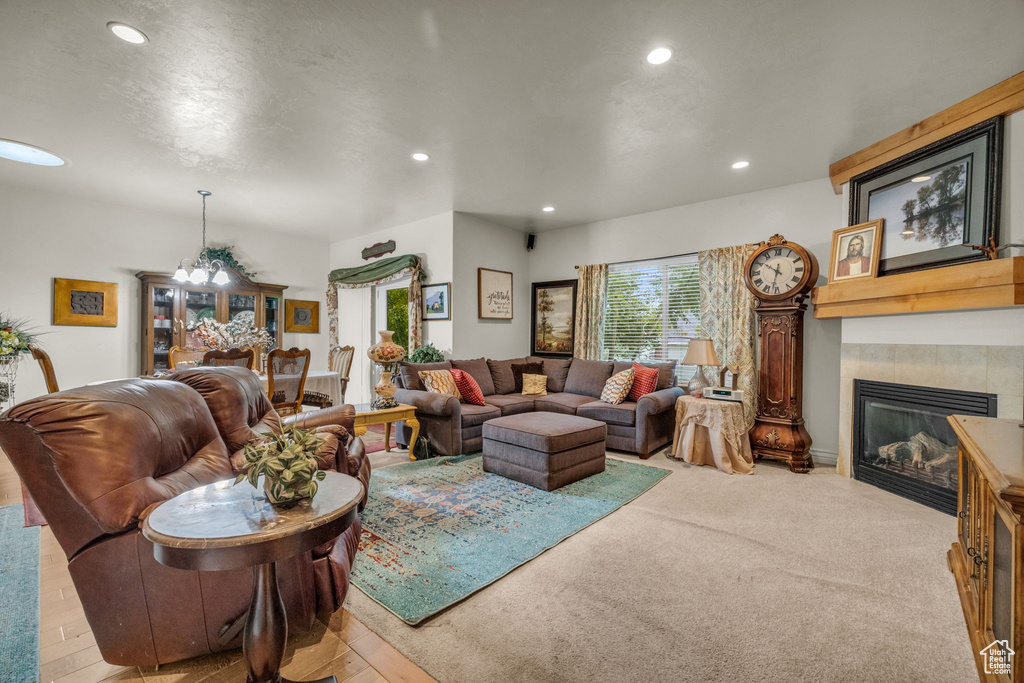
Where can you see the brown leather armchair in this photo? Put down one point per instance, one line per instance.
(96, 460)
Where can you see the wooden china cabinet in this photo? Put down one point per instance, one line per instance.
(986, 560)
(165, 301)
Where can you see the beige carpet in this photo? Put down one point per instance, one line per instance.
(711, 577)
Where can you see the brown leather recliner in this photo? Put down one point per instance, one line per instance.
(96, 460)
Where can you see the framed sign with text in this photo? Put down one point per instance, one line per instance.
(494, 289)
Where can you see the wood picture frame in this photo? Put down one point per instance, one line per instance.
(937, 201)
(84, 302)
(552, 318)
(847, 261)
(494, 294)
(437, 301)
(301, 316)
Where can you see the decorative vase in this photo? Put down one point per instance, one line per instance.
(8, 372)
(385, 352)
(280, 495)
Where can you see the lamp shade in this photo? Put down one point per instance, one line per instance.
(700, 352)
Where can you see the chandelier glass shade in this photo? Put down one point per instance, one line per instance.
(202, 268)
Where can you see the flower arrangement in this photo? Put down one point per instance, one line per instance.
(288, 464)
(230, 335)
(15, 336)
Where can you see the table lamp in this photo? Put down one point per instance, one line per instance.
(700, 352)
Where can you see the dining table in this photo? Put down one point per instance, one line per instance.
(320, 381)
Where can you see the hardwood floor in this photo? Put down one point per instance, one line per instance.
(344, 647)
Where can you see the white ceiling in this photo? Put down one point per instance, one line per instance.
(301, 116)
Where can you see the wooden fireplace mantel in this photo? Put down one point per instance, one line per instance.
(983, 284)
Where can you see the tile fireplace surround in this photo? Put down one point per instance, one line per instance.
(993, 369)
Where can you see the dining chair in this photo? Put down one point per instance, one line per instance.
(48, 374)
(243, 358)
(340, 361)
(286, 379)
(186, 356)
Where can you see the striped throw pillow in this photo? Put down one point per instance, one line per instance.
(617, 387)
(440, 382)
(645, 380)
(468, 387)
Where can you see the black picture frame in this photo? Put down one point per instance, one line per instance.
(564, 347)
(978, 152)
(445, 313)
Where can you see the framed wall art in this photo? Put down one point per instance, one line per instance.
(84, 302)
(301, 316)
(437, 301)
(936, 201)
(553, 318)
(494, 292)
(855, 251)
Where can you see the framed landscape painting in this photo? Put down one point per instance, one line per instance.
(937, 202)
(553, 319)
(437, 301)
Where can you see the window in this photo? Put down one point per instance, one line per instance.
(652, 310)
(393, 310)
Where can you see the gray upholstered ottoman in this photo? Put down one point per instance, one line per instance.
(546, 450)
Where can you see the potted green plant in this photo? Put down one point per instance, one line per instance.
(426, 354)
(287, 461)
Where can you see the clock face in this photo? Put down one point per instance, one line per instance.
(777, 271)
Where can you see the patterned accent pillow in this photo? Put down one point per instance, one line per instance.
(645, 380)
(617, 387)
(468, 387)
(440, 382)
(520, 369)
(535, 385)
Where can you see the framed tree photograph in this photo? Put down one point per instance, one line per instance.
(84, 302)
(553, 319)
(437, 301)
(855, 251)
(494, 292)
(937, 202)
(301, 316)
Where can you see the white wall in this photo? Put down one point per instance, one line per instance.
(482, 244)
(805, 213)
(44, 235)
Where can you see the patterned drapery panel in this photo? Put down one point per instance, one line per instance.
(590, 298)
(381, 272)
(727, 315)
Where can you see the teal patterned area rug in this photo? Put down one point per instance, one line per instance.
(436, 531)
(19, 597)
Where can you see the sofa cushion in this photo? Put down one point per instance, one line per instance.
(473, 416)
(520, 369)
(587, 377)
(564, 403)
(619, 414)
(512, 404)
(468, 387)
(408, 373)
(666, 372)
(557, 369)
(501, 375)
(545, 432)
(479, 371)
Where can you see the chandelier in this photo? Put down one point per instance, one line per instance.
(203, 266)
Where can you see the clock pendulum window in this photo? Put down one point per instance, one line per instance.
(781, 275)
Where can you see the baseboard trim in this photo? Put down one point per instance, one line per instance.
(824, 457)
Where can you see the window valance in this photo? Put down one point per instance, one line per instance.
(378, 272)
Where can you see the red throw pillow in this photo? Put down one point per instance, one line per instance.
(468, 387)
(644, 381)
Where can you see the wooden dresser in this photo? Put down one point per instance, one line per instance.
(986, 560)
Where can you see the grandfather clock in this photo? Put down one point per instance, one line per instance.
(781, 275)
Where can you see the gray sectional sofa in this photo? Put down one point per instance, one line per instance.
(574, 388)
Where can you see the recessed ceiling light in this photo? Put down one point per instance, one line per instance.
(19, 151)
(420, 156)
(548, 209)
(920, 178)
(659, 55)
(127, 33)
(741, 164)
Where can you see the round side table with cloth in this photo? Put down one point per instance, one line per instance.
(712, 432)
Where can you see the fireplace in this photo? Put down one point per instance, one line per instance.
(902, 442)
